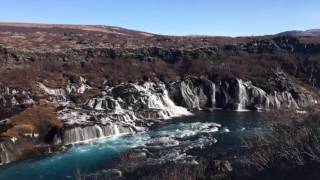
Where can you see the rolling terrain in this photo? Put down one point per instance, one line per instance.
(64, 84)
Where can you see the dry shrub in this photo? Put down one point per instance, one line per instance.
(290, 151)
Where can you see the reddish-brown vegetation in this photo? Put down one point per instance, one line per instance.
(38, 119)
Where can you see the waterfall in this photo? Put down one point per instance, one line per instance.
(173, 109)
(83, 86)
(242, 96)
(98, 106)
(157, 101)
(125, 104)
(213, 95)
(79, 88)
(82, 134)
(116, 130)
(100, 131)
(59, 94)
(118, 109)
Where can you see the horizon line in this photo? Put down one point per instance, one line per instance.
(132, 29)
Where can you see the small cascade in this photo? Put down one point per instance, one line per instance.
(116, 130)
(173, 109)
(160, 102)
(83, 86)
(213, 95)
(118, 109)
(59, 94)
(100, 131)
(98, 106)
(242, 96)
(82, 134)
(79, 88)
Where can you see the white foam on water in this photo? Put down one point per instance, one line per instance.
(161, 142)
(183, 130)
(226, 130)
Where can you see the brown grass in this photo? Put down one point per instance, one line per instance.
(37, 119)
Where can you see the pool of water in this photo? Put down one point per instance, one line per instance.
(221, 128)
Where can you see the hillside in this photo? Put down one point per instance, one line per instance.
(307, 33)
(59, 81)
(67, 48)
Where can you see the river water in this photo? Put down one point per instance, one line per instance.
(221, 129)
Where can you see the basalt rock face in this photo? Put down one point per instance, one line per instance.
(13, 100)
(235, 94)
(194, 93)
(8, 152)
(154, 56)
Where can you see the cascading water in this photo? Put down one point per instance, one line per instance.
(82, 134)
(169, 106)
(213, 95)
(100, 131)
(242, 96)
(116, 130)
(58, 94)
(160, 101)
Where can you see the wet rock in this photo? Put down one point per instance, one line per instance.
(194, 93)
(9, 152)
(112, 173)
(223, 166)
(14, 100)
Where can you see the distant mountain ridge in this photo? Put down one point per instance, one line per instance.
(310, 33)
(12, 26)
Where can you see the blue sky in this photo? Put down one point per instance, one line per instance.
(174, 17)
